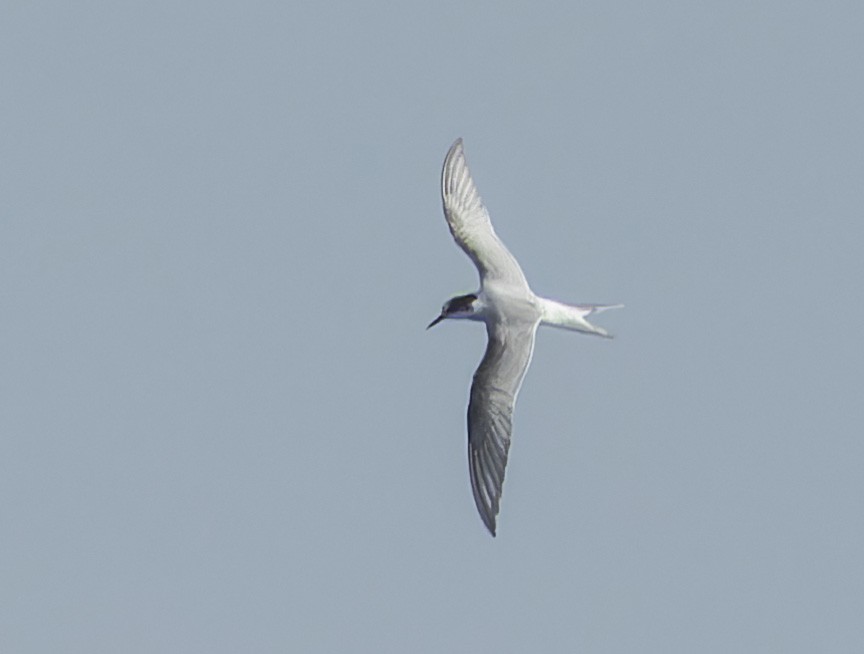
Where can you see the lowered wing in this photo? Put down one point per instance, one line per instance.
(490, 410)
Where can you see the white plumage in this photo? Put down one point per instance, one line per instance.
(512, 314)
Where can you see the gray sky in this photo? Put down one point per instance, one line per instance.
(223, 425)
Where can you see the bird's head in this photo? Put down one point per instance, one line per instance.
(461, 306)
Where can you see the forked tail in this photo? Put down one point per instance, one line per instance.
(572, 316)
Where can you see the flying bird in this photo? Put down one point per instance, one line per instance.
(512, 313)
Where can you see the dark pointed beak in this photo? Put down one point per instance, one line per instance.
(436, 321)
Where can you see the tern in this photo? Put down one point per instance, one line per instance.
(512, 313)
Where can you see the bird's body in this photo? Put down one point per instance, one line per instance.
(512, 313)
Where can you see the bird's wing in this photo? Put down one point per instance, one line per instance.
(470, 225)
(490, 411)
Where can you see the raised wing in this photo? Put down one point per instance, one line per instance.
(470, 225)
(490, 411)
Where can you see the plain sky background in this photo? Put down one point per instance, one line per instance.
(223, 427)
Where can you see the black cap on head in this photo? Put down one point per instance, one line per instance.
(461, 303)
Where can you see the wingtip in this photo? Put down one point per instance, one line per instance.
(456, 147)
(454, 162)
(486, 515)
(491, 527)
